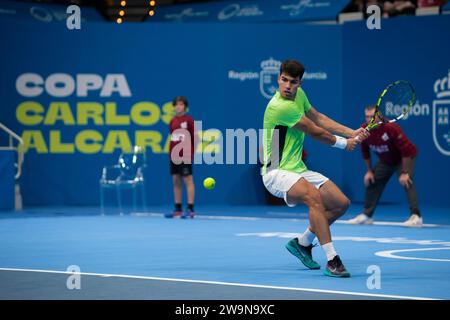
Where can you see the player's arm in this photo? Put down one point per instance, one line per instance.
(322, 135)
(330, 125)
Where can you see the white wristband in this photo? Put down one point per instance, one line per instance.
(341, 143)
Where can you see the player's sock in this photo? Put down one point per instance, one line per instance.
(307, 238)
(191, 207)
(329, 250)
(178, 207)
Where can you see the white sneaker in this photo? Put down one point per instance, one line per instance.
(361, 219)
(414, 221)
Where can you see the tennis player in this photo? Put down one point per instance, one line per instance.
(288, 117)
(396, 153)
(182, 134)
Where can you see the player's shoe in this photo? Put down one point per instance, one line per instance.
(303, 253)
(173, 214)
(188, 214)
(361, 219)
(335, 268)
(414, 221)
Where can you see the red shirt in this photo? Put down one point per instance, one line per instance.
(182, 130)
(390, 144)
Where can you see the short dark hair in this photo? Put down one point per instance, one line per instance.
(293, 68)
(182, 99)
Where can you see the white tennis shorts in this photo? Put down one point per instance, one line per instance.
(278, 181)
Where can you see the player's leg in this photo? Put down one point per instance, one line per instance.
(334, 200)
(415, 218)
(305, 192)
(301, 246)
(190, 188)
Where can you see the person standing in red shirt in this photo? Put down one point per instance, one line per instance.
(396, 154)
(181, 155)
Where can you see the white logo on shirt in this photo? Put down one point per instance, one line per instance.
(177, 137)
(385, 137)
(184, 125)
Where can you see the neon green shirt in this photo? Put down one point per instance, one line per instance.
(283, 114)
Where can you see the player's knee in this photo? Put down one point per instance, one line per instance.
(345, 204)
(313, 199)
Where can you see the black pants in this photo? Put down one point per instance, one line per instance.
(383, 173)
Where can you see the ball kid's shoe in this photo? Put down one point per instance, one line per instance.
(173, 214)
(188, 214)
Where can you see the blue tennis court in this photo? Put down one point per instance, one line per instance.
(224, 253)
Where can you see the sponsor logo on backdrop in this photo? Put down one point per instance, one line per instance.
(268, 76)
(441, 112)
(299, 7)
(89, 113)
(7, 11)
(237, 10)
(186, 13)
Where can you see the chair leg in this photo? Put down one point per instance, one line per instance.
(144, 202)
(102, 201)
(134, 198)
(119, 199)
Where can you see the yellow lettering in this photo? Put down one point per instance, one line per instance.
(89, 110)
(117, 139)
(89, 141)
(59, 111)
(167, 145)
(113, 118)
(29, 113)
(56, 146)
(145, 113)
(168, 112)
(150, 139)
(33, 139)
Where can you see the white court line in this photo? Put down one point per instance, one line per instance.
(223, 284)
(240, 218)
(391, 254)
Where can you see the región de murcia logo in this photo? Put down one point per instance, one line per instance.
(441, 111)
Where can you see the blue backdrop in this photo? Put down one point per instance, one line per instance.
(216, 66)
(408, 48)
(220, 68)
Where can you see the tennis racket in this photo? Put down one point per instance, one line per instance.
(398, 97)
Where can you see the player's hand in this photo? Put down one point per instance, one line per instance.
(360, 134)
(405, 180)
(369, 178)
(351, 144)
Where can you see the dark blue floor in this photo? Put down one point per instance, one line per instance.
(221, 246)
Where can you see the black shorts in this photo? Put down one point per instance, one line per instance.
(182, 169)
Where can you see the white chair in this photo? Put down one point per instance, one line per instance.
(128, 173)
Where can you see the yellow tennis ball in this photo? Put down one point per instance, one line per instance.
(209, 183)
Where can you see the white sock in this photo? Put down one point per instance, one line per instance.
(329, 250)
(306, 238)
